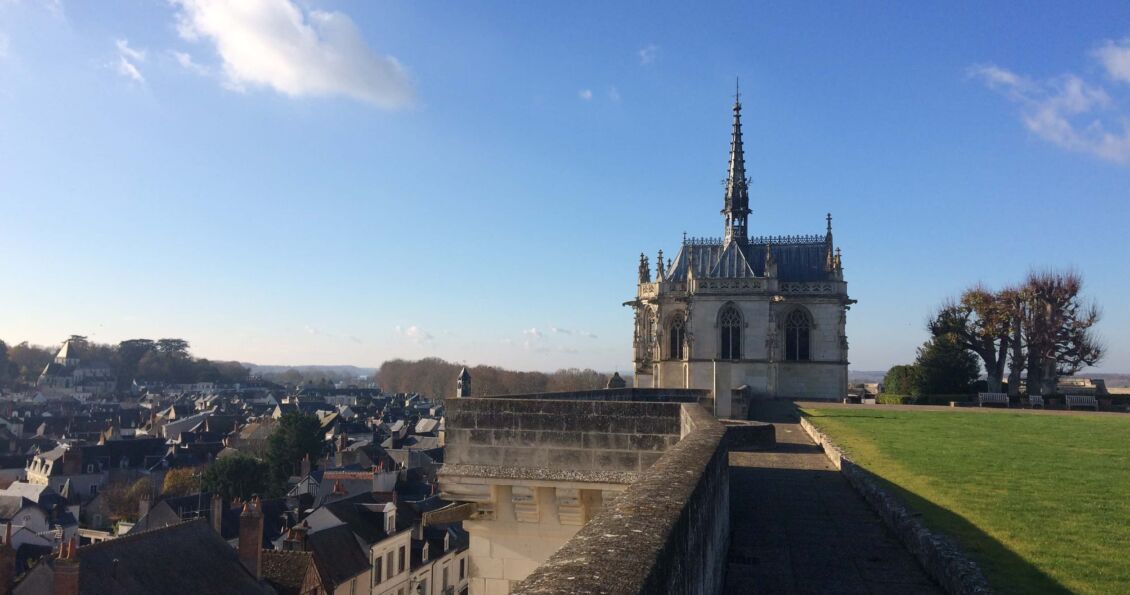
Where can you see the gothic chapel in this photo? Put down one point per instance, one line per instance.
(744, 316)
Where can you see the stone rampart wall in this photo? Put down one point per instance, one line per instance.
(569, 435)
(667, 533)
(666, 395)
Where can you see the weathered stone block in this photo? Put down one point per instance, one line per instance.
(652, 442)
(483, 455)
(561, 458)
(616, 460)
(561, 439)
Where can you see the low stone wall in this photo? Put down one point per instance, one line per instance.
(545, 434)
(667, 533)
(942, 559)
(665, 395)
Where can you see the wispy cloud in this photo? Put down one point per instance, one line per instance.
(585, 94)
(128, 59)
(613, 94)
(295, 51)
(1069, 111)
(414, 333)
(186, 62)
(648, 54)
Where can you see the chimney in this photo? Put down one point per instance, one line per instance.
(306, 465)
(251, 537)
(7, 562)
(67, 569)
(143, 506)
(296, 538)
(217, 512)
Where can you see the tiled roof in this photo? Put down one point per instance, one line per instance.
(285, 571)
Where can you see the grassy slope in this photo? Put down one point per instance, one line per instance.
(1043, 502)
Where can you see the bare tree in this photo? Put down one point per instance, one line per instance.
(1057, 327)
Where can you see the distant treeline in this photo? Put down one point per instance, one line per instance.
(163, 360)
(434, 377)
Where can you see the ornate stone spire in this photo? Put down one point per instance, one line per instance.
(736, 206)
(829, 259)
(659, 272)
(645, 269)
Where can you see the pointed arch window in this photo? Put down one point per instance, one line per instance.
(797, 330)
(677, 338)
(730, 327)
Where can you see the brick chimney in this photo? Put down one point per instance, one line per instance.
(67, 569)
(217, 512)
(7, 562)
(251, 537)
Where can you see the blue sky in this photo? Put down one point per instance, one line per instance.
(345, 182)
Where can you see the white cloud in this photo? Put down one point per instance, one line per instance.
(1066, 111)
(585, 94)
(560, 331)
(127, 61)
(1115, 58)
(186, 62)
(297, 52)
(129, 53)
(532, 332)
(414, 334)
(648, 54)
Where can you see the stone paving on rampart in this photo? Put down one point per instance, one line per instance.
(799, 527)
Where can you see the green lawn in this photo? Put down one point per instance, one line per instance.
(1042, 502)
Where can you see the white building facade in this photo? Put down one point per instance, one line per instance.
(746, 317)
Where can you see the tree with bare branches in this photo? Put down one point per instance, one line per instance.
(1057, 327)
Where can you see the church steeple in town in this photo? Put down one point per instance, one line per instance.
(736, 207)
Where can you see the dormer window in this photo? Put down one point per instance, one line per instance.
(446, 541)
(424, 553)
(90, 468)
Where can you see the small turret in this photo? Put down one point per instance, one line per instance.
(463, 384)
(645, 269)
(659, 273)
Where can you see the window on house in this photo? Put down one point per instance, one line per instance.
(400, 563)
(90, 468)
(797, 329)
(378, 569)
(445, 576)
(730, 324)
(462, 568)
(93, 489)
(677, 338)
(388, 564)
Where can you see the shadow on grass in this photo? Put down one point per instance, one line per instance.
(1007, 571)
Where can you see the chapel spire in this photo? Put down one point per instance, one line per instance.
(736, 206)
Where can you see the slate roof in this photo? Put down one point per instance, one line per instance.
(802, 259)
(188, 558)
(337, 554)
